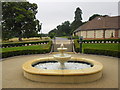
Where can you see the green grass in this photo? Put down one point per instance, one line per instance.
(35, 47)
(103, 46)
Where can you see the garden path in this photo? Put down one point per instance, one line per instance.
(67, 44)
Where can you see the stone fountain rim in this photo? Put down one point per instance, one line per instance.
(97, 67)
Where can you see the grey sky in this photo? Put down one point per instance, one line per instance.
(54, 13)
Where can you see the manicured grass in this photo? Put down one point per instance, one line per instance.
(34, 47)
(103, 46)
(26, 39)
(26, 50)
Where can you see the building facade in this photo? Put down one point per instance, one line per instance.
(100, 28)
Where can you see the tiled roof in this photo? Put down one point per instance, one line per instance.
(101, 23)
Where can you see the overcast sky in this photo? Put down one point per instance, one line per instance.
(53, 13)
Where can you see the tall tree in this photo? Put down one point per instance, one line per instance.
(61, 30)
(96, 15)
(77, 20)
(18, 19)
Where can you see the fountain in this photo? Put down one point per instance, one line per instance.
(62, 68)
(62, 57)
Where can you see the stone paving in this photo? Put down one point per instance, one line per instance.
(13, 74)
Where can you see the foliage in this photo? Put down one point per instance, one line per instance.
(74, 37)
(77, 20)
(98, 48)
(22, 43)
(26, 50)
(67, 28)
(18, 19)
(102, 52)
(96, 15)
(61, 30)
(101, 41)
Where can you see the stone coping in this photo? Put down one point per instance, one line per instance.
(97, 67)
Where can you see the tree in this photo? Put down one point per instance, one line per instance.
(18, 19)
(96, 15)
(52, 33)
(78, 14)
(77, 20)
(61, 30)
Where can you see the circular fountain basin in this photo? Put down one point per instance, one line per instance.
(79, 75)
(55, 65)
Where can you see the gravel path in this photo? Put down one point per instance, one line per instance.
(13, 75)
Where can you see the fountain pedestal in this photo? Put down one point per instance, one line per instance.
(62, 57)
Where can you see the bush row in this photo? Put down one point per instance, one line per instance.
(101, 41)
(73, 37)
(102, 52)
(96, 51)
(27, 52)
(22, 43)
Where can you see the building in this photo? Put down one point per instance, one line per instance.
(100, 28)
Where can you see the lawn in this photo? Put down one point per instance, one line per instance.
(26, 39)
(103, 46)
(34, 47)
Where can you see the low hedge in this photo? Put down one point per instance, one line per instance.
(114, 53)
(27, 51)
(102, 52)
(22, 43)
(73, 37)
(101, 41)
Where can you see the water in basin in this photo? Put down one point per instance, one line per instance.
(55, 65)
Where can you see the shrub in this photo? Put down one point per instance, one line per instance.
(22, 43)
(25, 51)
(102, 52)
(73, 37)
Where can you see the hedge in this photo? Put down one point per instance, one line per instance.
(27, 52)
(101, 41)
(114, 53)
(22, 43)
(102, 52)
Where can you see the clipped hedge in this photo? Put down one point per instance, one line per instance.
(27, 51)
(114, 53)
(102, 52)
(22, 43)
(73, 37)
(101, 41)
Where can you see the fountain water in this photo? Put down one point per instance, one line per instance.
(73, 69)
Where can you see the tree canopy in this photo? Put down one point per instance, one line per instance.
(96, 15)
(61, 30)
(18, 20)
(77, 20)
